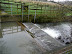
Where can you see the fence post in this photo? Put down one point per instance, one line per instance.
(35, 16)
(41, 9)
(11, 9)
(17, 8)
(0, 6)
(22, 12)
(28, 12)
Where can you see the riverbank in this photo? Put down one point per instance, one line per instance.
(38, 19)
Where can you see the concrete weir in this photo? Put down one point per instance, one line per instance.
(45, 41)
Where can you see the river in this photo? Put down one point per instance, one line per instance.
(14, 40)
(61, 30)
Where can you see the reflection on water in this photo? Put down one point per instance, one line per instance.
(11, 30)
(0, 31)
(3, 49)
(15, 41)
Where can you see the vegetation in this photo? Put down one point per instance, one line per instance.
(40, 9)
(68, 52)
(44, 13)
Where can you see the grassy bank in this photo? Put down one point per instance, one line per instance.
(40, 9)
(44, 13)
(39, 19)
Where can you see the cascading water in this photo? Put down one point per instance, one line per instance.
(41, 37)
(61, 32)
(50, 36)
(52, 32)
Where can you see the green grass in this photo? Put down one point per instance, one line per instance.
(45, 10)
(69, 14)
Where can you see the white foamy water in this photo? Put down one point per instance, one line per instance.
(52, 32)
(65, 29)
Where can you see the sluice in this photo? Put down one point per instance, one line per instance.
(42, 39)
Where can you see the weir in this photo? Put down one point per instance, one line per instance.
(42, 38)
(28, 34)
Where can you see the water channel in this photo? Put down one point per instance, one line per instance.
(14, 40)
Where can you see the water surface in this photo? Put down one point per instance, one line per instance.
(14, 40)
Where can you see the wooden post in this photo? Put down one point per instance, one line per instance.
(28, 12)
(21, 7)
(41, 9)
(50, 11)
(58, 10)
(22, 11)
(11, 9)
(35, 16)
(0, 6)
(17, 8)
(45, 9)
(37, 7)
(54, 11)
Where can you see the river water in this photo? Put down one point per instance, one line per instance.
(61, 31)
(14, 40)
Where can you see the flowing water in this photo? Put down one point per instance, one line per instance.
(60, 31)
(14, 40)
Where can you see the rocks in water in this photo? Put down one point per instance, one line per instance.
(59, 37)
(67, 43)
(65, 40)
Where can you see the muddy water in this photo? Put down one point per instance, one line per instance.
(15, 41)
